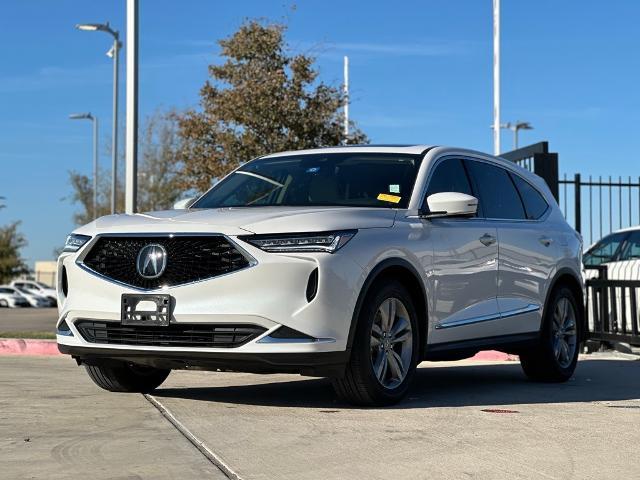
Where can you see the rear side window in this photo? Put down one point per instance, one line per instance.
(605, 250)
(534, 203)
(631, 248)
(449, 176)
(498, 196)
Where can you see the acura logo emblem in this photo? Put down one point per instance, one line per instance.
(152, 260)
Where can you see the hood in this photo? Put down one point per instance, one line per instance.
(243, 220)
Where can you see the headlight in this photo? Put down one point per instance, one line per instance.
(74, 242)
(301, 242)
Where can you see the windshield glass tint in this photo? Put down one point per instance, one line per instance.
(337, 179)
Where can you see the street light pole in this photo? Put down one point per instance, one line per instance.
(113, 53)
(515, 128)
(114, 127)
(346, 98)
(94, 119)
(131, 170)
(496, 77)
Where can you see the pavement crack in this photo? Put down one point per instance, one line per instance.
(193, 439)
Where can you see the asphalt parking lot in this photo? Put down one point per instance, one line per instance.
(462, 420)
(28, 319)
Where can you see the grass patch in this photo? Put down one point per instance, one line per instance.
(36, 335)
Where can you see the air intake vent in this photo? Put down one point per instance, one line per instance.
(188, 259)
(175, 335)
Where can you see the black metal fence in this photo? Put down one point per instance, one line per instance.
(612, 308)
(596, 207)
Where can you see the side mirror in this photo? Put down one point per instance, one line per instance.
(451, 204)
(184, 203)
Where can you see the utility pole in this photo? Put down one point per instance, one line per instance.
(496, 77)
(115, 51)
(94, 120)
(131, 170)
(112, 53)
(346, 98)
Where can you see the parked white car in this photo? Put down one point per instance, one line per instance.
(355, 263)
(34, 299)
(9, 297)
(620, 253)
(37, 288)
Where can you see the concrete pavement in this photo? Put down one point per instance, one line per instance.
(462, 420)
(55, 424)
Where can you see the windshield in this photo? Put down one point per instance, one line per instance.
(336, 179)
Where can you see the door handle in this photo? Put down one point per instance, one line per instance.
(546, 241)
(487, 239)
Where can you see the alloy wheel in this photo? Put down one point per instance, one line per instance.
(391, 343)
(564, 332)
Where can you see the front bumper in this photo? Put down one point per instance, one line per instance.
(319, 364)
(271, 294)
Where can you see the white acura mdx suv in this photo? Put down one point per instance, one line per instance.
(355, 263)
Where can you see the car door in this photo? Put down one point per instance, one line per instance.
(462, 279)
(527, 252)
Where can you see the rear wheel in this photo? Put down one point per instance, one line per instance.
(127, 377)
(556, 357)
(3, 304)
(385, 349)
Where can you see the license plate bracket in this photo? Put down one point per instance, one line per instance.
(155, 310)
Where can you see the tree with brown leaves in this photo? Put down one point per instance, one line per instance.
(262, 99)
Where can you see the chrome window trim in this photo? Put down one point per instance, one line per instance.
(80, 259)
(487, 318)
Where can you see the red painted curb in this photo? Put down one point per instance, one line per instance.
(21, 346)
(494, 356)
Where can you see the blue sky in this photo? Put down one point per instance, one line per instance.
(420, 72)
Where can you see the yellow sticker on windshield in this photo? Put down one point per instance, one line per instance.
(385, 197)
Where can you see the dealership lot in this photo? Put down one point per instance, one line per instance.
(28, 319)
(462, 420)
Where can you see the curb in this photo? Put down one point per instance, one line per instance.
(21, 346)
(494, 356)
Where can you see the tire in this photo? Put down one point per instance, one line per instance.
(395, 355)
(550, 361)
(4, 304)
(127, 377)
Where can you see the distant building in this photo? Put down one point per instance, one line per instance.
(45, 272)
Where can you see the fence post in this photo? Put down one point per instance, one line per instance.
(578, 212)
(545, 165)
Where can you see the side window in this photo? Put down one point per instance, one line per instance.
(605, 250)
(631, 249)
(534, 203)
(497, 194)
(449, 176)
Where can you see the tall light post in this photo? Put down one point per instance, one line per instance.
(131, 154)
(114, 54)
(346, 98)
(88, 116)
(496, 77)
(515, 127)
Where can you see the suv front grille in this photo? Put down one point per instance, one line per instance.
(175, 335)
(189, 259)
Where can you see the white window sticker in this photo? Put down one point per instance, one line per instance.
(394, 188)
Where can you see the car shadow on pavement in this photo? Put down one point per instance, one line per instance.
(440, 386)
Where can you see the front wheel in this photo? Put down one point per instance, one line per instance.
(555, 359)
(127, 377)
(385, 349)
